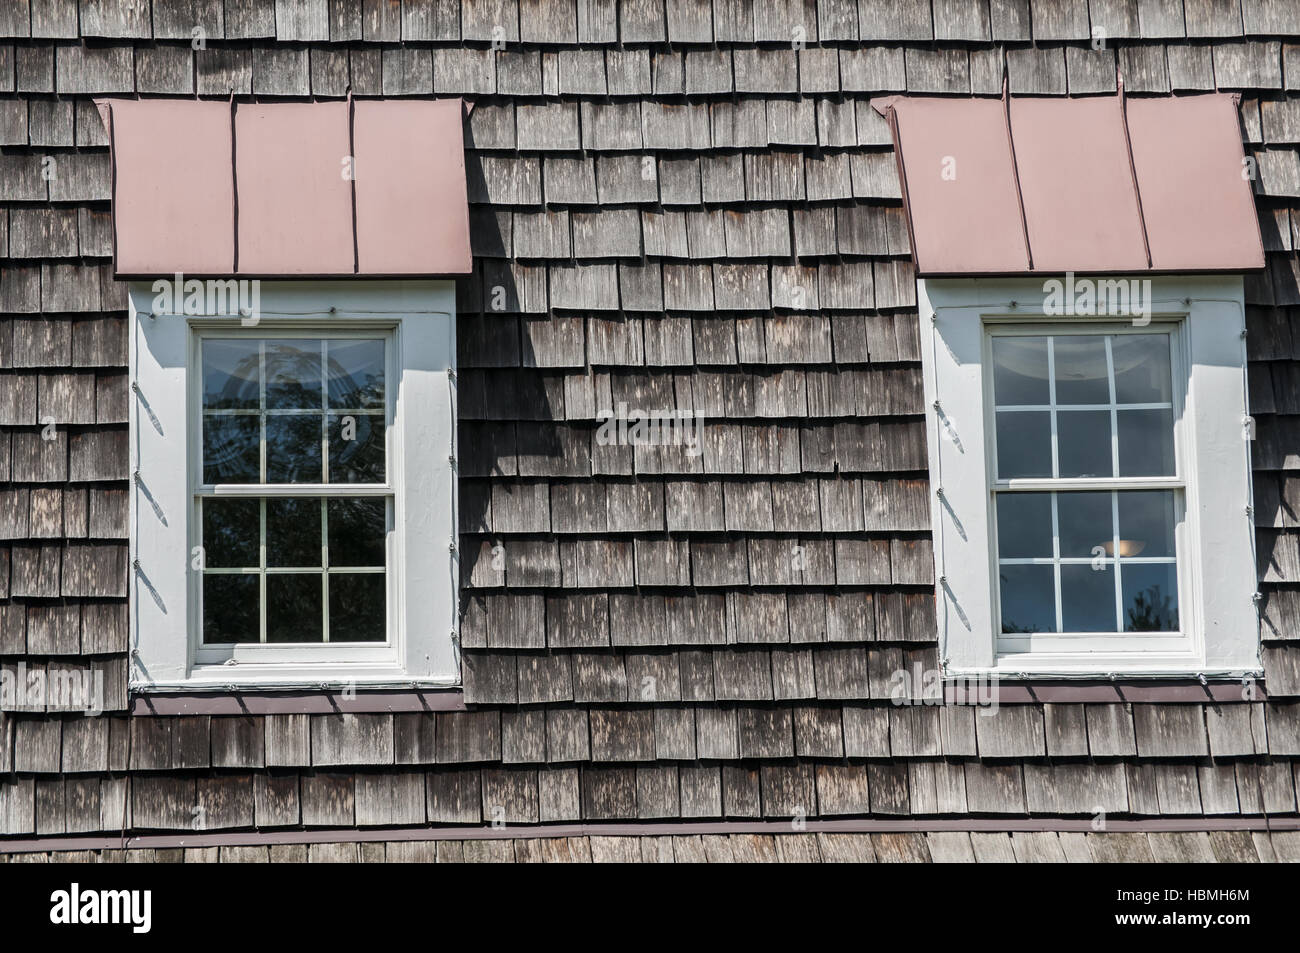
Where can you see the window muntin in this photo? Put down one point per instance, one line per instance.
(1093, 414)
(279, 413)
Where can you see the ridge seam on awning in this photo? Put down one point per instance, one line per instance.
(1015, 175)
(1132, 170)
(234, 186)
(352, 179)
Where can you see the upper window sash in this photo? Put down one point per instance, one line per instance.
(1168, 328)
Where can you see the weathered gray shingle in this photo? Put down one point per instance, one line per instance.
(880, 20)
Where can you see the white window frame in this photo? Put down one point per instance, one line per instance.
(1215, 539)
(418, 321)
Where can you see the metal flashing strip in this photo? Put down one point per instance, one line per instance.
(306, 702)
(1099, 691)
(650, 829)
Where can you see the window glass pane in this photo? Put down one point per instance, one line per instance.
(1150, 597)
(230, 608)
(231, 449)
(1085, 523)
(1142, 373)
(1028, 599)
(1146, 523)
(1118, 370)
(231, 533)
(356, 448)
(310, 411)
(1024, 444)
(1024, 525)
(1146, 442)
(1083, 443)
(1087, 597)
(355, 372)
(230, 374)
(1081, 374)
(356, 532)
(293, 378)
(1019, 371)
(293, 448)
(357, 607)
(293, 537)
(294, 607)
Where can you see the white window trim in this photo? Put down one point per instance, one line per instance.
(1216, 541)
(423, 579)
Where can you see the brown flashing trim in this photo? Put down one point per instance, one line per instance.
(315, 702)
(212, 276)
(652, 829)
(297, 702)
(1065, 691)
(1096, 273)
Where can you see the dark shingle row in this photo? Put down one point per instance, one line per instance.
(936, 847)
(666, 791)
(648, 21)
(659, 712)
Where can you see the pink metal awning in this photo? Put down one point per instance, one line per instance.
(373, 188)
(1099, 184)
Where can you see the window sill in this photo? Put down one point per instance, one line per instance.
(296, 701)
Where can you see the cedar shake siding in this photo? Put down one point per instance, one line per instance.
(673, 209)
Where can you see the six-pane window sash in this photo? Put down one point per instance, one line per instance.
(293, 496)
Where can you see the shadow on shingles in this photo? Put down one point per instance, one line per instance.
(513, 416)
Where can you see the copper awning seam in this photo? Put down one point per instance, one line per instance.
(234, 185)
(352, 151)
(1137, 190)
(372, 188)
(1099, 184)
(1011, 149)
